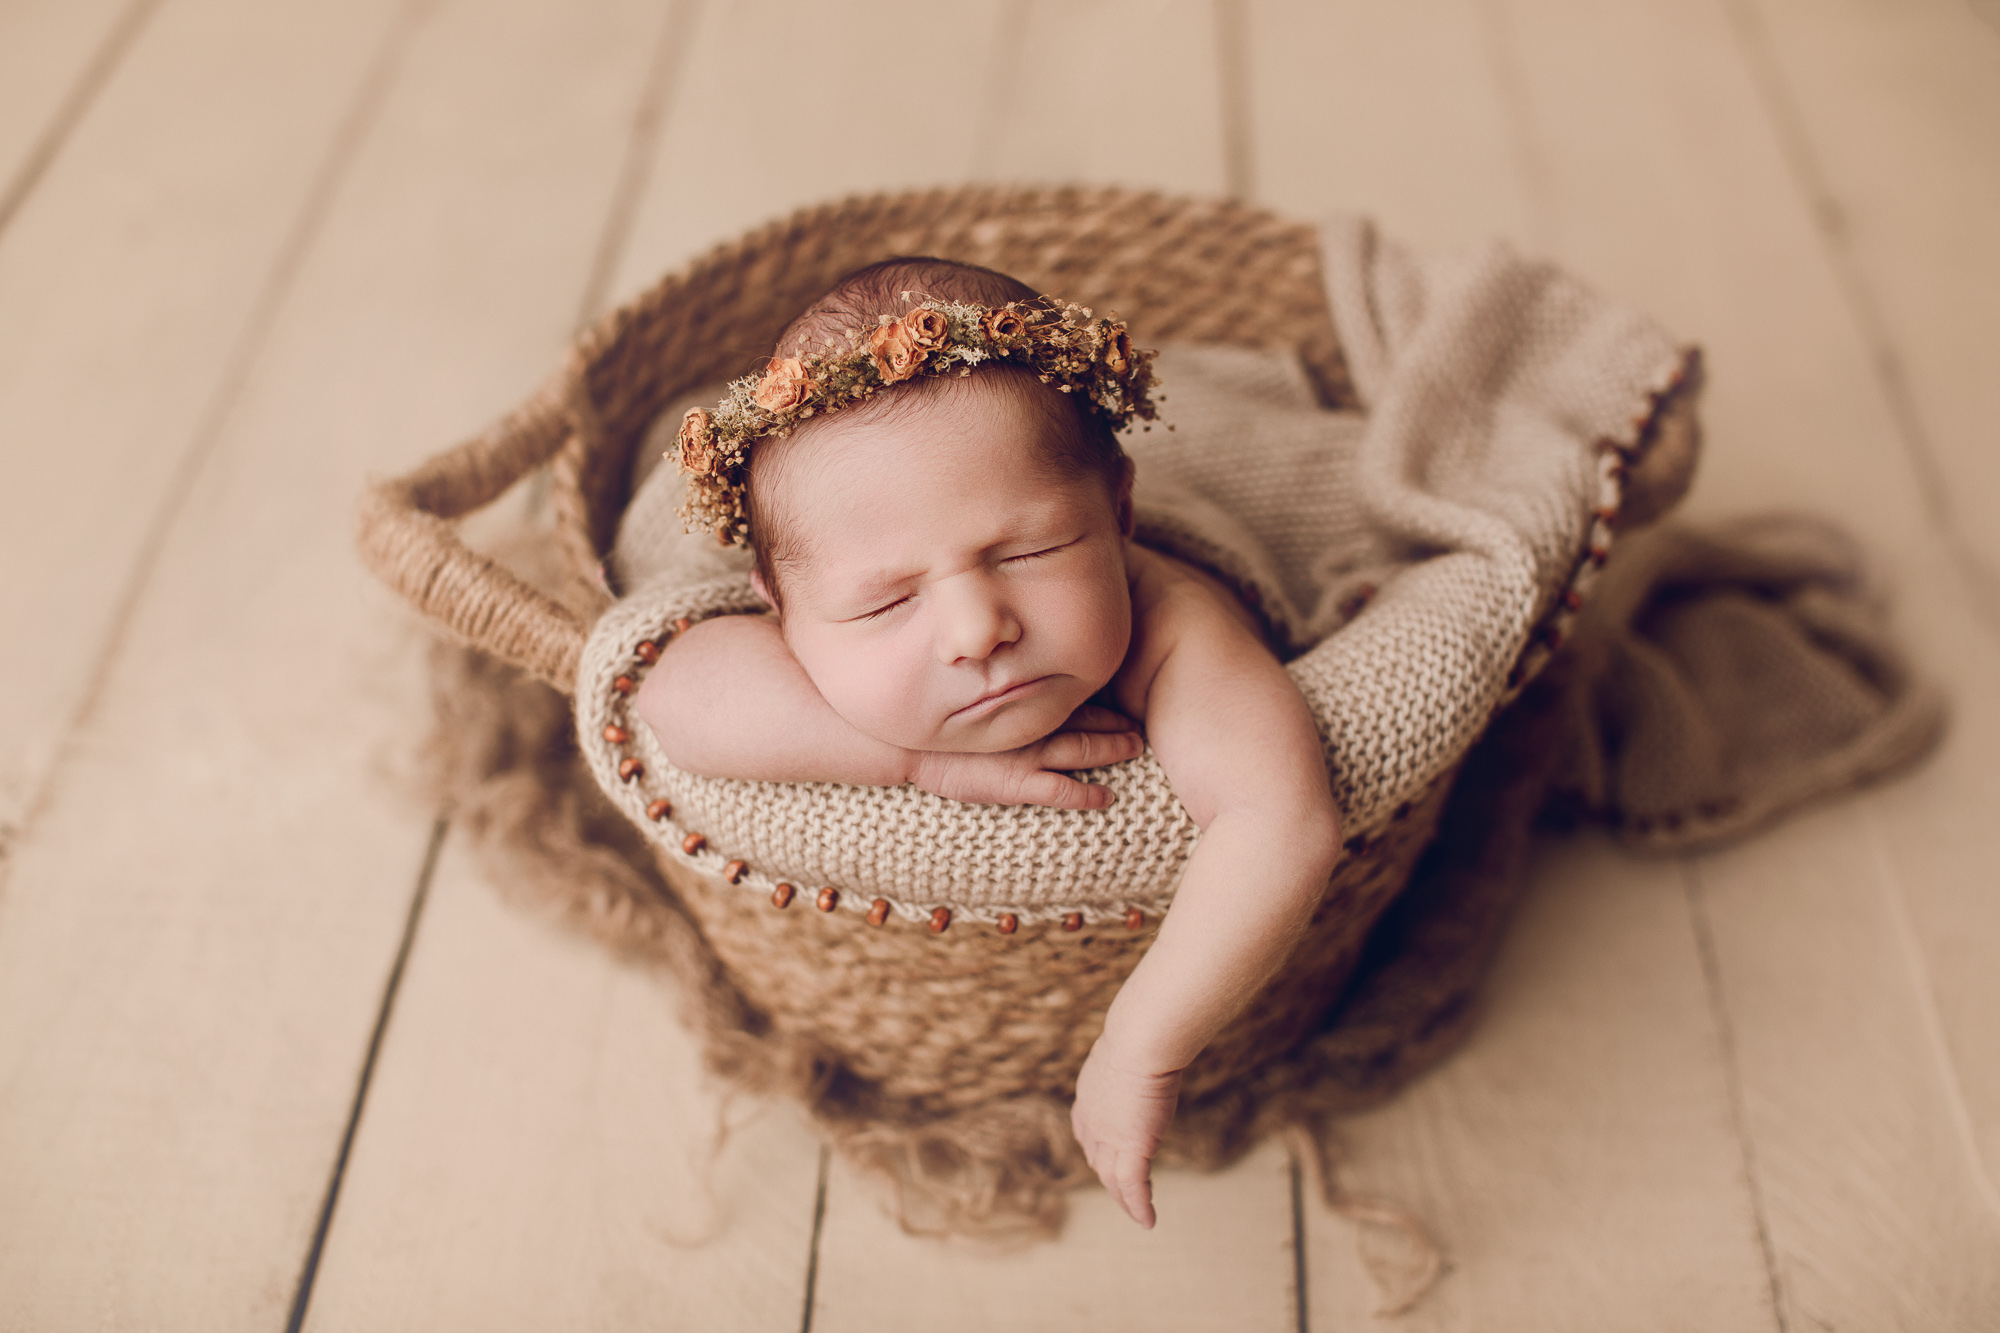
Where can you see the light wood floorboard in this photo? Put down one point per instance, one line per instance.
(1892, 117)
(726, 162)
(1219, 1258)
(132, 279)
(195, 932)
(536, 1152)
(1578, 1161)
(1388, 108)
(54, 56)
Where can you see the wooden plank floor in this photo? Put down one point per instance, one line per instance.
(274, 1055)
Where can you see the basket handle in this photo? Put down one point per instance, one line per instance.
(406, 540)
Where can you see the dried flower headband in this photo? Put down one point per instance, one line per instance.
(1065, 345)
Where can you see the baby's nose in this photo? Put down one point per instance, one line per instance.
(975, 622)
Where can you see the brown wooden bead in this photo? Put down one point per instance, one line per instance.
(940, 918)
(1607, 515)
(1134, 919)
(1009, 923)
(659, 810)
(878, 911)
(623, 684)
(781, 895)
(1572, 600)
(647, 651)
(1598, 555)
(683, 625)
(1074, 921)
(693, 843)
(616, 734)
(629, 769)
(829, 899)
(733, 871)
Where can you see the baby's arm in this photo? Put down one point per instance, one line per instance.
(1241, 749)
(728, 700)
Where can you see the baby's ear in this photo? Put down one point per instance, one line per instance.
(763, 593)
(1125, 521)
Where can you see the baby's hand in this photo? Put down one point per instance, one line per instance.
(1119, 1116)
(1091, 738)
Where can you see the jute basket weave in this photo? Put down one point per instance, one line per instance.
(937, 1022)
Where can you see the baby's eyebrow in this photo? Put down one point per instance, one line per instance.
(878, 585)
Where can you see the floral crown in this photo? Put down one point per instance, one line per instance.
(1065, 345)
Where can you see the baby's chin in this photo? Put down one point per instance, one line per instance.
(1009, 729)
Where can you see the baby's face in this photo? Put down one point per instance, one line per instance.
(950, 592)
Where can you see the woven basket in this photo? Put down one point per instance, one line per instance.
(937, 1021)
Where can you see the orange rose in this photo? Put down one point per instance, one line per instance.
(784, 386)
(897, 356)
(1118, 350)
(1003, 325)
(698, 452)
(927, 328)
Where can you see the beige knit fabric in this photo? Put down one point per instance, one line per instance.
(1497, 395)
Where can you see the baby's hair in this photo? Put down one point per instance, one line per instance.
(1083, 443)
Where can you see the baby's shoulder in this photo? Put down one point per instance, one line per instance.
(1176, 607)
(1168, 592)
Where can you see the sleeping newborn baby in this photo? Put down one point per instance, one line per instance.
(941, 518)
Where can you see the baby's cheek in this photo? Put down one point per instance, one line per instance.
(878, 699)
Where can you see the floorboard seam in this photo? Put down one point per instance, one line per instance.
(1510, 85)
(1809, 176)
(70, 112)
(1725, 1035)
(1925, 994)
(237, 368)
(662, 79)
(812, 1252)
(309, 1270)
(1002, 86)
(1232, 58)
(1299, 1305)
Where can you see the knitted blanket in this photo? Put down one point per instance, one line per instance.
(1402, 556)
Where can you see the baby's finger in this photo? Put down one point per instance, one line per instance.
(1090, 717)
(1044, 787)
(1089, 749)
(1134, 1188)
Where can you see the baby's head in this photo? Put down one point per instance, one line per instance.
(947, 557)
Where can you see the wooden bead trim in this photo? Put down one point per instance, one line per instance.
(781, 895)
(629, 769)
(940, 919)
(1135, 919)
(616, 734)
(1074, 921)
(1009, 923)
(878, 911)
(828, 899)
(733, 872)
(693, 843)
(659, 810)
